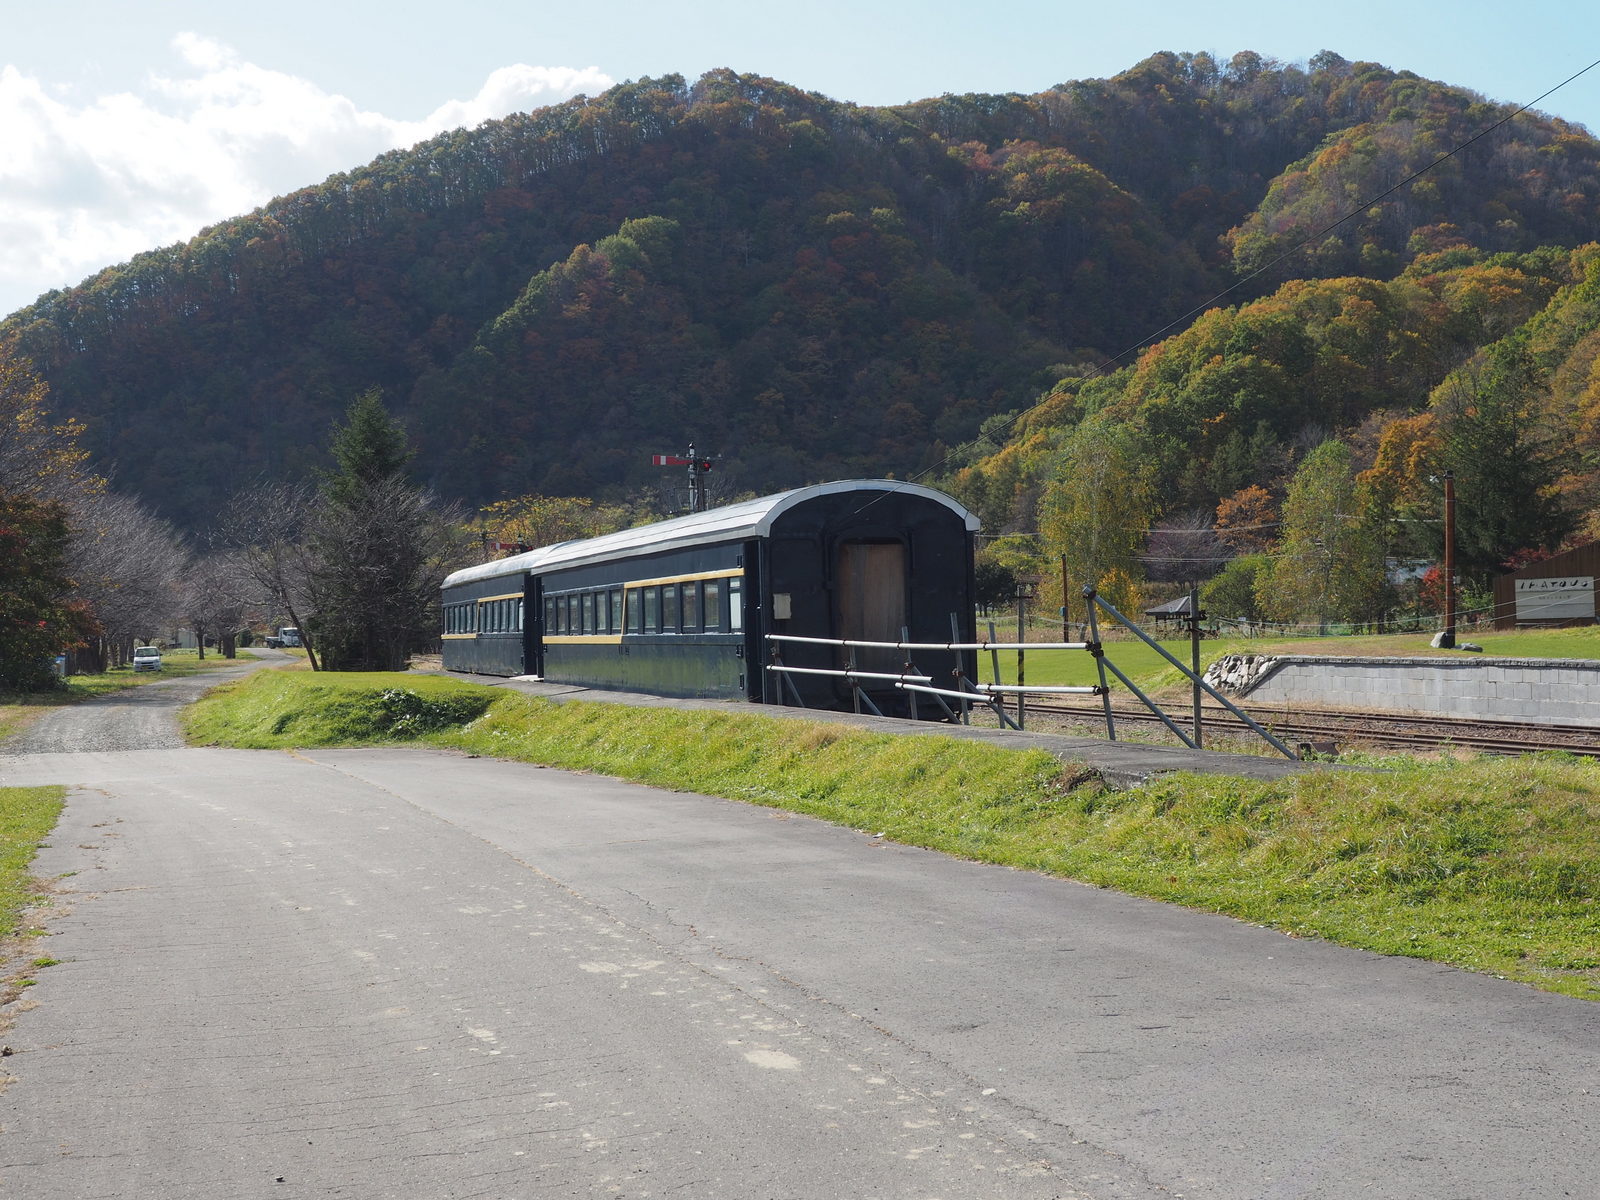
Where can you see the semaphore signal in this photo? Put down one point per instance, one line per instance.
(699, 467)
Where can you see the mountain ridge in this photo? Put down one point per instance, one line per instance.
(815, 288)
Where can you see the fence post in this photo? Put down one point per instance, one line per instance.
(1096, 649)
(1209, 690)
(1194, 659)
(960, 674)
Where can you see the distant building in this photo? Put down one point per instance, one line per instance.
(1558, 591)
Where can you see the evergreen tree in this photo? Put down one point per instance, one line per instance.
(35, 623)
(378, 548)
(369, 449)
(1506, 460)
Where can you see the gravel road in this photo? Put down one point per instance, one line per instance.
(138, 718)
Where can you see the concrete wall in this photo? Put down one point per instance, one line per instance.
(1550, 690)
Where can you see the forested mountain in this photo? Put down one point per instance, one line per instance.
(819, 289)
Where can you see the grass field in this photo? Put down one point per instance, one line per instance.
(1490, 865)
(1076, 668)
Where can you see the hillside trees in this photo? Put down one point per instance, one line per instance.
(843, 289)
(119, 563)
(533, 520)
(1328, 564)
(1097, 508)
(1506, 457)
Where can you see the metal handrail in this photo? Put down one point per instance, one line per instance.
(847, 674)
(813, 641)
(1042, 689)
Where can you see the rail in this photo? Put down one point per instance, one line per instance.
(936, 646)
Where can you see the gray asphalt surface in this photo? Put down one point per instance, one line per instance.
(404, 973)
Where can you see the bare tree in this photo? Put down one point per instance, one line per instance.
(217, 597)
(269, 525)
(127, 563)
(1184, 548)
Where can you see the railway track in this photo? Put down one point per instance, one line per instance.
(1323, 729)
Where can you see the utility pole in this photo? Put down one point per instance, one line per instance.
(1447, 639)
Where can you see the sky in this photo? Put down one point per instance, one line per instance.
(128, 126)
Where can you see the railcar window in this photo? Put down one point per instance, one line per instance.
(691, 608)
(616, 611)
(736, 606)
(516, 615)
(713, 604)
(652, 610)
(669, 608)
(574, 615)
(634, 605)
(588, 612)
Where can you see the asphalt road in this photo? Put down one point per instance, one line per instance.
(404, 973)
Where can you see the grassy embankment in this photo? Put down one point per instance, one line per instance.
(1489, 865)
(18, 711)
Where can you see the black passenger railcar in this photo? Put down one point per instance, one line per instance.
(683, 607)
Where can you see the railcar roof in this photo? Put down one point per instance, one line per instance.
(749, 518)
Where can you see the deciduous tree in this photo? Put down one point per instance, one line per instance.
(1097, 508)
(1328, 565)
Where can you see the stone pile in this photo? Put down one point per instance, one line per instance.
(1236, 674)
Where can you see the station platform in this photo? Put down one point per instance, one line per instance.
(1120, 764)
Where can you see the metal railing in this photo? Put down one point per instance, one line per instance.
(915, 682)
(967, 692)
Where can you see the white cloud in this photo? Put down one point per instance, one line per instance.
(87, 184)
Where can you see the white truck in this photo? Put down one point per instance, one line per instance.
(287, 635)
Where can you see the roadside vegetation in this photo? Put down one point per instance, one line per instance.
(20, 709)
(1485, 864)
(26, 817)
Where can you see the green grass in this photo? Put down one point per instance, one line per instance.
(17, 711)
(27, 815)
(1076, 668)
(275, 709)
(1490, 865)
